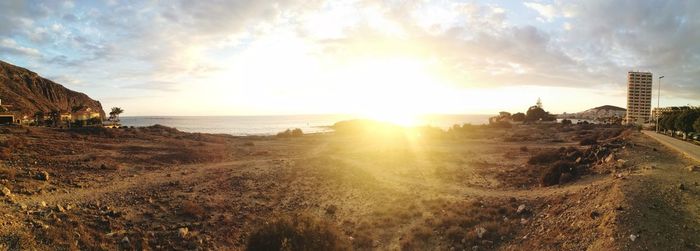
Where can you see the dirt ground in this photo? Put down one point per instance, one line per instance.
(471, 188)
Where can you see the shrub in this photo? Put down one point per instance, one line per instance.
(545, 157)
(191, 209)
(301, 232)
(550, 176)
(565, 122)
(7, 173)
(291, 133)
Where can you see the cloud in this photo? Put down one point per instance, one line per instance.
(10, 46)
(152, 45)
(155, 85)
(547, 11)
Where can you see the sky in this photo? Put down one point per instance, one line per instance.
(217, 57)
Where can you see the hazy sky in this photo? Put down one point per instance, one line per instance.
(313, 56)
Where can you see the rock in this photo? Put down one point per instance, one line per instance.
(693, 168)
(480, 231)
(5, 191)
(620, 163)
(578, 160)
(59, 208)
(521, 209)
(610, 158)
(22, 206)
(126, 240)
(42, 204)
(331, 209)
(182, 232)
(523, 221)
(43, 175)
(633, 237)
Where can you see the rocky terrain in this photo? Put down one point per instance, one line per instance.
(28, 93)
(537, 187)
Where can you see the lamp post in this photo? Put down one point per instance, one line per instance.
(658, 101)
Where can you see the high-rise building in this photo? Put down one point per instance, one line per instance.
(638, 97)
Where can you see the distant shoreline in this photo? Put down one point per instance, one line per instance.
(266, 125)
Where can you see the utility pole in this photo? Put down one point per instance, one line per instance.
(658, 101)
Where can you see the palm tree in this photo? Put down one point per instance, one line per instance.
(114, 114)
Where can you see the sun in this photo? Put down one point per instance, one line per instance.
(396, 90)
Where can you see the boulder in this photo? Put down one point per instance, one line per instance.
(521, 209)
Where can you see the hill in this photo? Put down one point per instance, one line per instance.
(599, 113)
(28, 93)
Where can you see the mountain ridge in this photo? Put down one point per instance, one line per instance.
(27, 93)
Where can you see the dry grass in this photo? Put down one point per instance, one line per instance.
(456, 225)
(301, 232)
(193, 210)
(8, 173)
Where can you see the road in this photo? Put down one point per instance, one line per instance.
(688, 149)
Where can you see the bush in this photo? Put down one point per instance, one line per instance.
(302, 232)
(550, 176)
(545, 157)
(290, 133)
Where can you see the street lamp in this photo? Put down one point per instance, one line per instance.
(658, 101)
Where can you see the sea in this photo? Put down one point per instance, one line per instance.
(270, 125)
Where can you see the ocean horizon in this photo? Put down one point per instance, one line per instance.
(272, 124)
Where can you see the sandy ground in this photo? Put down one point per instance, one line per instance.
(471, 189)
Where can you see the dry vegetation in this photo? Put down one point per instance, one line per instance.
(369, 186)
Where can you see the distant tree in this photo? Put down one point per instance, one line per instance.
(565, 122)
(535, 113)
(39, 117)
(114, 114)
(684, 121)
(94, 121)
(518, 117)
(55, 117)
(668, 121)
(696, 125)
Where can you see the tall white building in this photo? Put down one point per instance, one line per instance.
(638, 97)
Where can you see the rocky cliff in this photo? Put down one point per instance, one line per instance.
(27, 93)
